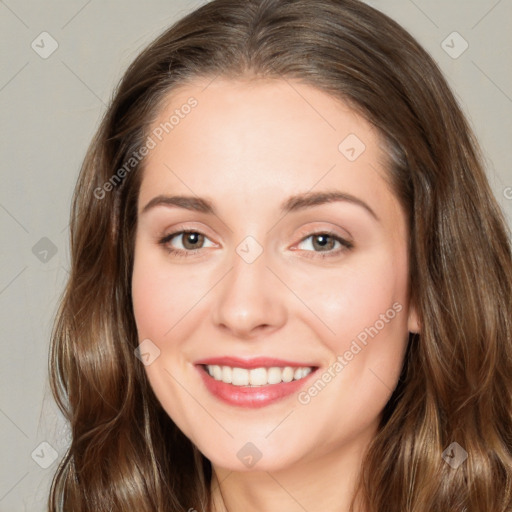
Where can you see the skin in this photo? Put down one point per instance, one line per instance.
(247, 146)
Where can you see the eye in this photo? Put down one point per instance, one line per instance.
(191, 242)
(325, 242)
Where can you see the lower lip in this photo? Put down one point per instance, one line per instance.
(251, 397)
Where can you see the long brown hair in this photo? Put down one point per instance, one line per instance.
(456, 384)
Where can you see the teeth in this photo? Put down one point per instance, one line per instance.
(275, 375)
(217, 372)
(239, 377)
(287, 374)
(226, 374)
(256, 376)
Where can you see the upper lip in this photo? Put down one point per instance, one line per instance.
(256, 362)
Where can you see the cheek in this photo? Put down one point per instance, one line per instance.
(149, 308)
(360, 296)
(161, 300)
(366, 307)
(161, 296)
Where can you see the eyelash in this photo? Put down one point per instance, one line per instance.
(346, 245)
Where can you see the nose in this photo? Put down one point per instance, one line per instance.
(250, 300)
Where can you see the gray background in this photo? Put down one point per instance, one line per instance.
(50, 109)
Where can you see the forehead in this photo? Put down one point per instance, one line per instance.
(261, 139)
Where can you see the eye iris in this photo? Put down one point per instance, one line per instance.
(193, 238)
(324, 243)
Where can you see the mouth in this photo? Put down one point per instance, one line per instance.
(253, 383)
(256, 377)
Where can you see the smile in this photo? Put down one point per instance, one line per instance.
(257, 376)
(253, 383)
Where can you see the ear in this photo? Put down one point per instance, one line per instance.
(413, 324)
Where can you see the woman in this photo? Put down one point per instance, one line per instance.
(207, 356)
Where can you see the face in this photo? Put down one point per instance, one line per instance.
(289, 285)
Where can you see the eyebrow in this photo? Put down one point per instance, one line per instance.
(292, 204)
